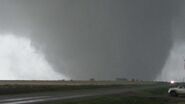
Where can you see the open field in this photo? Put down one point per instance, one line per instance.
(70, 82)
(85, 92)
(19, 87)
(146, 96)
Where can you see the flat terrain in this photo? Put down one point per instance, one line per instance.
(53, 97)
(19, 87)
(144, 95)
(71, 82)
(88, 92)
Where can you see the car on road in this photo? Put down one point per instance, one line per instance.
(176, 91)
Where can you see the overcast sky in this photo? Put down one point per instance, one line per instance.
(101, 39)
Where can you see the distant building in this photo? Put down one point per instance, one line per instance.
(121, 79)
(92, 79)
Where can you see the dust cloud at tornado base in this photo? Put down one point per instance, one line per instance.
(19, 60)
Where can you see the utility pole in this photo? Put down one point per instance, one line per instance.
(184, 70)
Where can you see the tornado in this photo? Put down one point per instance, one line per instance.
(100, 39)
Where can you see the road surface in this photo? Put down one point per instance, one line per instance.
(54, 96)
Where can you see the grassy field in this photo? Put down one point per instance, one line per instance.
(157, 95)
(19, 87)
(118, 99)
(147, 96)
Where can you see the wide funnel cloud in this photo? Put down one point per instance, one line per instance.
(83, 39)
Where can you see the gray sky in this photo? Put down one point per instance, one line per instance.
(101, 39)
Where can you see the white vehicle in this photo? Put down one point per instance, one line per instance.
(180, 90)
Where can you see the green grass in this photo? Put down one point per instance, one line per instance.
(118, 100)
(160, 91)
(147, 96)
(19, 89)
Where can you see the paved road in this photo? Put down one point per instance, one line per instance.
(54, 96)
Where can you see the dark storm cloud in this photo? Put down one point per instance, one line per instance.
(101, 39)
